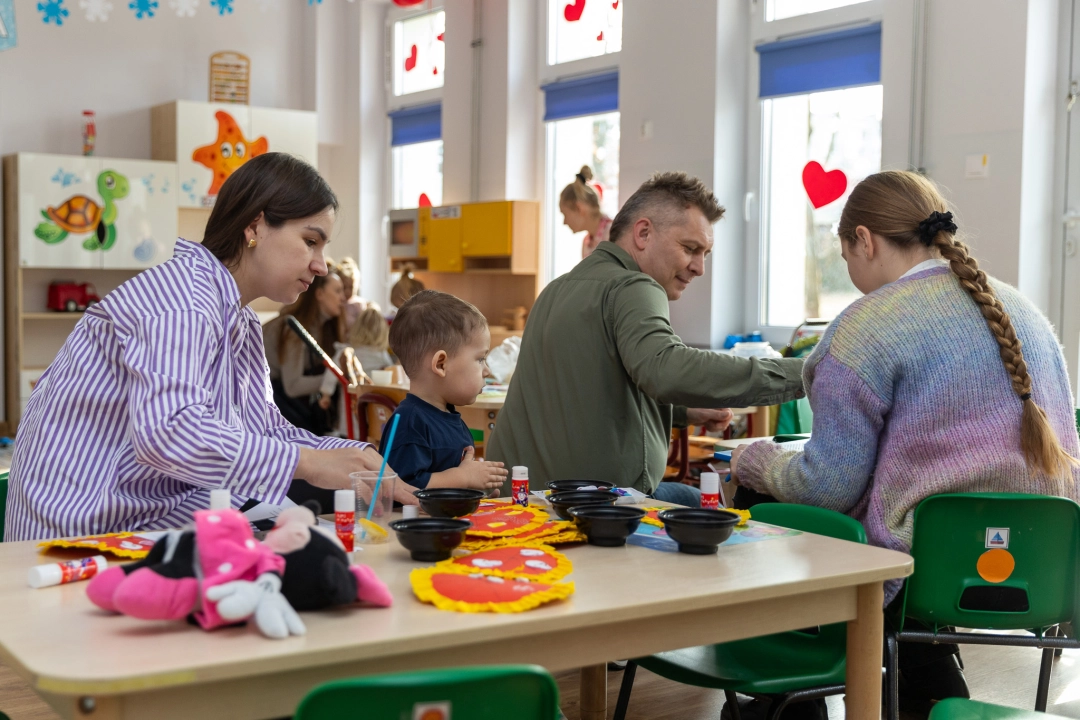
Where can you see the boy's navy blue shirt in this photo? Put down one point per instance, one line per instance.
(428, 440)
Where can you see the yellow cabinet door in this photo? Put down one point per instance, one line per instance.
(487, 229)
(440, 238)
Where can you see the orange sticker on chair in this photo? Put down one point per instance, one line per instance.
(534, 561)
(507, 520)
(996, 565)
(449, 588)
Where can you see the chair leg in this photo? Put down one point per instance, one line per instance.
(624, 690)
(892, 676)
(732, 700)
(1045, 670)
(777, 706)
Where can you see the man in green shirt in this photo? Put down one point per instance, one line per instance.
(602, 377)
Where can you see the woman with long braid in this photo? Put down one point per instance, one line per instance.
(939, 380)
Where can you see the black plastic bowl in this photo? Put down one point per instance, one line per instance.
(698, 531)
(563, 501)
(430, 539)
(562, 485)
(607, 526)
(449, 502)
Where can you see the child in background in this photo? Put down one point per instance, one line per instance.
(405, 287)
(369, 339)
(442, 341)
(354, 304)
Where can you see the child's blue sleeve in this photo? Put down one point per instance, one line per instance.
(412, 462)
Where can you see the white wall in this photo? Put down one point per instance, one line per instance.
(683, 69)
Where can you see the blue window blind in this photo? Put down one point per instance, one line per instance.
(844, 58)
(416, 125)
(581, 96)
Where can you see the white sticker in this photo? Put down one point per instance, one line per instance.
(431, 711)
(997, 537)
(450, 212)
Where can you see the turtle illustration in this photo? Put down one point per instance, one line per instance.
(79, 215)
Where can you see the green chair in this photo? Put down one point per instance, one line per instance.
(959, 709)
(523, 692)
(799, 665)
(989, 561)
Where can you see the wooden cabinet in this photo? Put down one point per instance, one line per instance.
(79, 219)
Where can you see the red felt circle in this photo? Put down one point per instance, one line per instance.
(512, 560)
(483, 588)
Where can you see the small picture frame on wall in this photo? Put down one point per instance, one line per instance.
(230, 77)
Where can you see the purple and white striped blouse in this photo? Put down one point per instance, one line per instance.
(160, 394)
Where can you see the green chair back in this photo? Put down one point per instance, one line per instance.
(959, 709)
(818, 521)
(522, 692)
(994, 561)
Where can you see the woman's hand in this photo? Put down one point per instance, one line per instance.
(329, 469)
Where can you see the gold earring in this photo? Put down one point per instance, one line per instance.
(252, 243)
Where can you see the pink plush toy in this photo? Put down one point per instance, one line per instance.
(220, 575)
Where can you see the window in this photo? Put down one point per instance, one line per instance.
(580, 29)
(419, 53)
(417, 152)
(592, 140)
(781, 9)
(821, 134)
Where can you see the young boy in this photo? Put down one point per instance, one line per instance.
(442, 342)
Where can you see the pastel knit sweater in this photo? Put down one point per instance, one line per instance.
(911, 399)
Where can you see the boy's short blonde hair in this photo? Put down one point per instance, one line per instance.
(370, 330)
(430, 321)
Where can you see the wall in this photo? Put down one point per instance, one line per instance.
(683, 70)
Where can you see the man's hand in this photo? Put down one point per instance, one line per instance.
(329, 469)
(711, 420)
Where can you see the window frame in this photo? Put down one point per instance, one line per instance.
(547, 74)
(762, 31)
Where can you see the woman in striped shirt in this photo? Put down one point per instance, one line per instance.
(162, 391)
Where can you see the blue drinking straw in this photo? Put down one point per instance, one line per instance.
(382, 470)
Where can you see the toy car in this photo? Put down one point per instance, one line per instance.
(71, 297)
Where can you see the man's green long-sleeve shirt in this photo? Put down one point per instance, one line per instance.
(602, 377)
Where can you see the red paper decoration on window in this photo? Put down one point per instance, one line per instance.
(572, 12)
(823, 187)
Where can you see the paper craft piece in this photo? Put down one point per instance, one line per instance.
(125, 544)
(656, 538)
(459, 590)
(823, 187)
(505, 520)
(651, 516)
(539, 562)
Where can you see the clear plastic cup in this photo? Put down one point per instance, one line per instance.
(364, 483)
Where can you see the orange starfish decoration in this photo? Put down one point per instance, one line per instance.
(228, 152)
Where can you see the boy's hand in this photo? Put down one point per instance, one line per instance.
(481, 475)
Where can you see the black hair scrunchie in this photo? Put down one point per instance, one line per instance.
(931, 226)
(581, 177)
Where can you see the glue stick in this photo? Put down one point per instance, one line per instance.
(66, 572)
(520, 484)
(345, 517)
(220, 499)
(710, 490)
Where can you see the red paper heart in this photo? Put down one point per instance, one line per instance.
(424, 201)
(439, 37)
(600, 37)
(410, 62)
(615, 5)
(822, 187)
(572, 12)
(434, 71)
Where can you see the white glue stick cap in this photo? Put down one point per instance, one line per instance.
(710, 483)
(41, 576)
(344, 501)
(220, 499)
(410, 511)
(520, 472)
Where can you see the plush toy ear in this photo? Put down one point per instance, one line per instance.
(369, 588)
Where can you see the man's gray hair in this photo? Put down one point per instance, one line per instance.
(660, 197)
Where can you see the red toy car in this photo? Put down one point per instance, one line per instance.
(71, 297)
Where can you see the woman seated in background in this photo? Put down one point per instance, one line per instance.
(296, 372)
(350, 281)
(939, 380)
(579, 204)
(369, 337)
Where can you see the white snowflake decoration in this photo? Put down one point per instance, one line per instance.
(96, 10)
(184, 8)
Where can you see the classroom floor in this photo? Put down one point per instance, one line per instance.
(1006, 676)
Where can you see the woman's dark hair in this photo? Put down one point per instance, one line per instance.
(279, 186)
(306, 310)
